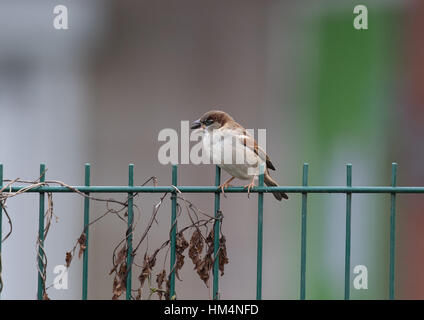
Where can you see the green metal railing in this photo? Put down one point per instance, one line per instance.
(41, 254)
(304, 190)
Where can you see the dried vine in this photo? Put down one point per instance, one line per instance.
(200, 247)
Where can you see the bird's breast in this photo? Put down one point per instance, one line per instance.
(228, 152)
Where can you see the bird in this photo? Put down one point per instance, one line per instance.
(220, 132)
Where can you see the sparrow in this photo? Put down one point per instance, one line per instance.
(220, 133)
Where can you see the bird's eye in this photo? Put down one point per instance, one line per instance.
(208, 122)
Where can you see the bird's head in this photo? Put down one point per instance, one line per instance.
(211, 120)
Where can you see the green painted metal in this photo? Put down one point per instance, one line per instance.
(392, 234)
(260, 235)
(303, 234)
(86, 231)
(348, 231)
(1, 221)
(173, 231)
(261, 189)
(40, 290)
(213, 189)
(1, 208)
(217, 226)
(130, 231)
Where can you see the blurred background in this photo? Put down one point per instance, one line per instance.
(327, 94)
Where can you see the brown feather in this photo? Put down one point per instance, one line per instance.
(269, 164)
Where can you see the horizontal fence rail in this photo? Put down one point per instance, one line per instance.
(207, 189)
(304, 190)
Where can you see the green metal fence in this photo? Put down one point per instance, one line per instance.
(393, 190)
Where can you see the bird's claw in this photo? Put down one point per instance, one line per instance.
(222, 187)
(249, 186)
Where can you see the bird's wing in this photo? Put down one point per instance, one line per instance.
(249, 142)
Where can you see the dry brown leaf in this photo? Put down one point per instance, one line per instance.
(82, 243)
(168, 289)
(181, 242)
(201, 265)
(210, 238)
(180, 246)
(68, 259)
(120, 258)
(223, 258)
(196, 247)
(138, 297)
(160, 277)
(148, 264)
(119, 282)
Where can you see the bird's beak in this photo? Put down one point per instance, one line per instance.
(196, 124)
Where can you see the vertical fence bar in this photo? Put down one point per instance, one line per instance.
(40, 290)
(392, 234)
(348, 231)
(1, 224)
(130, 231)
(173, 232)
(260, 235)
(216, 234)
(1, 208)
(303, 234)
(86, 222)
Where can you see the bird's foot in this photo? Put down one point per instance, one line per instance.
(224, 186)
(250, 186)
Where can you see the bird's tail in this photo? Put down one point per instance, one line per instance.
(271, 183)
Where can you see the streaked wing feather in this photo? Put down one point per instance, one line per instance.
(249, 142)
